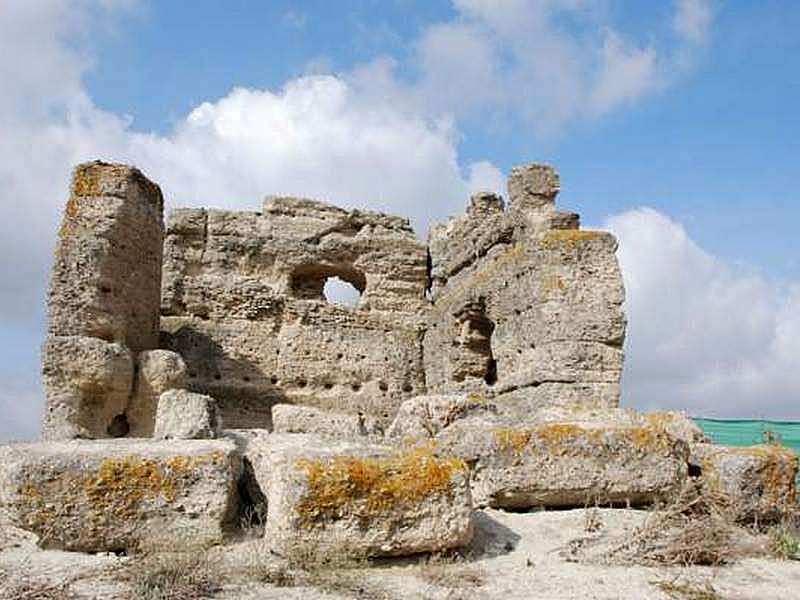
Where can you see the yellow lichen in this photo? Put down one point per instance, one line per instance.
(556, 237)
(553, 282)
(512, 440)
(365, 487)
(85, 180)
(558, 433)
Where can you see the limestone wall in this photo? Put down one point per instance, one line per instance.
(514, 302)
(243, 304)
(525, 303)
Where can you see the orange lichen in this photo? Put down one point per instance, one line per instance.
(556, 237)
(558, 433)
(512, 440)
(365, 487)
(85, 180)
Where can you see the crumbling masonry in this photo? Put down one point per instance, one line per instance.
(196, 375)
(506, 302)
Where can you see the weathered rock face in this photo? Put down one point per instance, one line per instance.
(103, 303)
(368, 500)
(243, 304)
(183, 415)
(291, 418)
(107, 270)
(566, 464)
(524, 303)
(760, 481)
(516, 305)
(88, 383)
(158, 372)
(110, 495)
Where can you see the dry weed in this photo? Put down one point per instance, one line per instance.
(26, 589)
(450, 570)
(688, 590)
(696, 528)
(180, 575)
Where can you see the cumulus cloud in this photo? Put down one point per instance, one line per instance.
(704, 336)
(365, 137)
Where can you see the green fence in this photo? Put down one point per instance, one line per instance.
(749, 432)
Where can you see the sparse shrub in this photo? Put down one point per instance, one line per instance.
(688, 590)
(784, 543)
(184, 575)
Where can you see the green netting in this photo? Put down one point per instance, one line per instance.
(742, 432)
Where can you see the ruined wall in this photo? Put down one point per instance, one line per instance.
(243, 304)
(103, 302)
(525, 305)
(514, 302)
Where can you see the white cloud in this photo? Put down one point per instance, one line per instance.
(692, 19)
(366, 137)
(703, 336)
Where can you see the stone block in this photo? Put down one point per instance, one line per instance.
(520, 466)
(370, 500)
(158, 372)
(112, 495)
(291, 418)
(760, 481)
(184, 415)
(88, 383)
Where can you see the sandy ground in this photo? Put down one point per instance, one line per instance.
(513, 556)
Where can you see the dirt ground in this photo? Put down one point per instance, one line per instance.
(513, 556)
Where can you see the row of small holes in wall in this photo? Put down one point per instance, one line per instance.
(302, 383)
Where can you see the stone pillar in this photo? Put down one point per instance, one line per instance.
(104, 299)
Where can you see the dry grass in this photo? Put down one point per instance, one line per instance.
(784, 539)
(184, 575)
(696, 528)
(26, 589)
(688, 590)
(338, 568)
(451, 571)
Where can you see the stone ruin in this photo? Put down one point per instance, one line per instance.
(194, 370)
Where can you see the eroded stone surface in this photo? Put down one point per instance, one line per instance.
(184, 415)
(425, 416)
(111, 495)
(158, 372)
(524, 303)
(103, 302)
(364, 499)
(88, 383)
(243, 304)
(291, 418)
(760, 480)
(516, 465)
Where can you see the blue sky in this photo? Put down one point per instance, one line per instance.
(673, 123)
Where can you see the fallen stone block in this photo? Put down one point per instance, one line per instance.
(362, 499)
(566, 464)
(184, 415)
(158, 372)
(113, 495)
(294, 418)
(425, 416)
(760, 481)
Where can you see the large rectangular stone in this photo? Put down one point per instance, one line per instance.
(360, 498)
(566, 464)
(110, 495)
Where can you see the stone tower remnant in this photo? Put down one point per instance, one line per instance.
(104, 298)
(513, 303)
